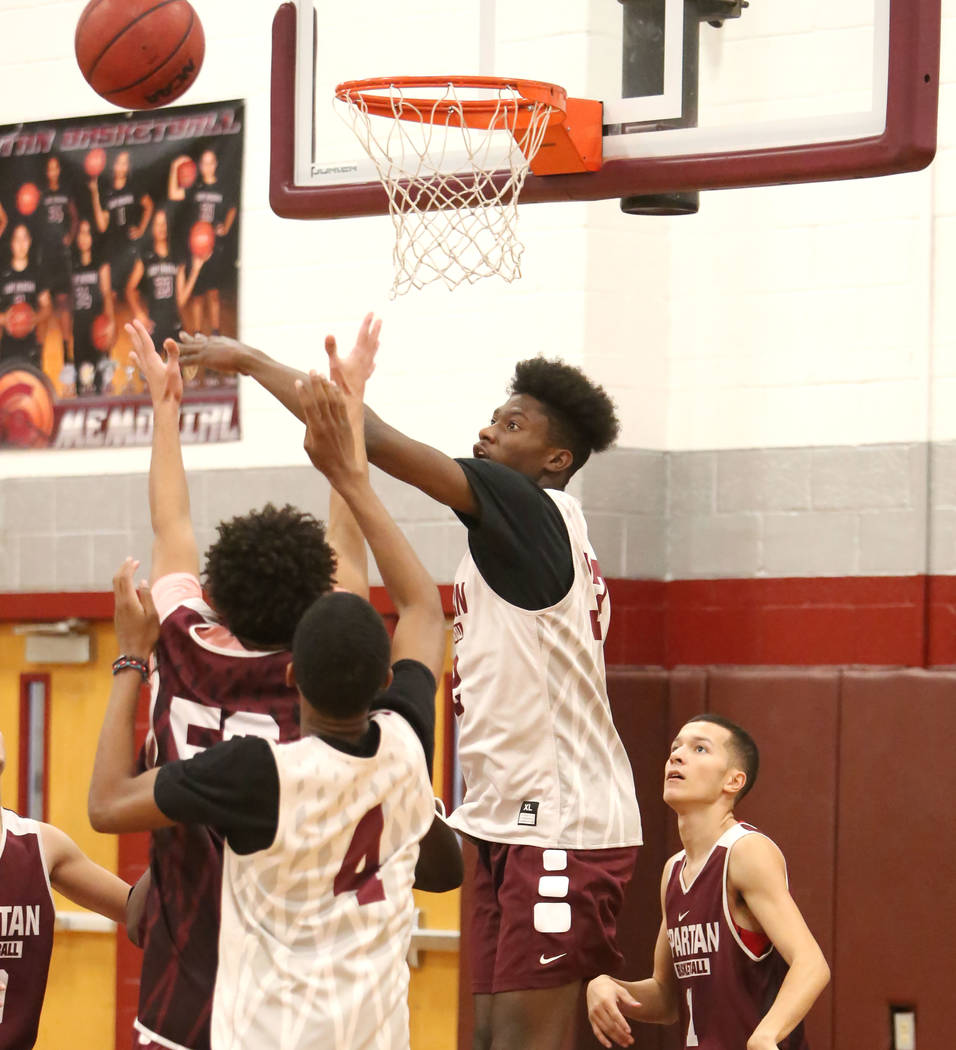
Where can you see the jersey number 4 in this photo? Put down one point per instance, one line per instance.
(359, 871)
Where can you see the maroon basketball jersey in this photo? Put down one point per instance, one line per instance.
(205, 688)
(26, 931)
(727, 979)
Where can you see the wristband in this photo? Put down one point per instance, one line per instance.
(131, 663)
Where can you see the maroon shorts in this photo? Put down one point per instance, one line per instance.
(545, 917)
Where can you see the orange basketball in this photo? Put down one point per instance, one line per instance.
(21, 320)
(99, 332)
(94, 162)
(202, 240)
(139, 54)
(28, 197)
(26, 407)
(186, 174)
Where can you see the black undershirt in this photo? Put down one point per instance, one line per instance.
(519, 541)
(234, 786)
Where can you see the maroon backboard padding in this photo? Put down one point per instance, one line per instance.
(908, 142)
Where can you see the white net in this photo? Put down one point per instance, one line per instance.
(452, 189)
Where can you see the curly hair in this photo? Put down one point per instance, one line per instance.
(582, 415)
(265, 569)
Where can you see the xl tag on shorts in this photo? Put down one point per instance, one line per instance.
(528, 814)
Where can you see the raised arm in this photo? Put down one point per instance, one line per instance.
(231, 357)
(420, 633)
(344, 535)
(757, 871)
(174, 541)
(174, 191)
(119, 799)
(418, 464)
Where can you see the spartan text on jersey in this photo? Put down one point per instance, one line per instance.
(17, 920)
(698, 939)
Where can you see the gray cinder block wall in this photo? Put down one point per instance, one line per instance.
(844, 511)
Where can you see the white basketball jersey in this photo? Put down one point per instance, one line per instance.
(541, 760)
(316, 928)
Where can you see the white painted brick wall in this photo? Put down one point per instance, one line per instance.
(790, 316)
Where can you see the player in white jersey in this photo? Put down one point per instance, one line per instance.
(220, 673)
(549, 791)
(321, 834)
(734, 961)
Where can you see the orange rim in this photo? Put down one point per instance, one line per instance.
(473, 113)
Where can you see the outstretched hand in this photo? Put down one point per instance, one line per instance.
(134, 614)
(605, 997)
(350, 373)
(328, 435)
(164, 378)
(215, 352)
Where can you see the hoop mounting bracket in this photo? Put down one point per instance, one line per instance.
(574, 144)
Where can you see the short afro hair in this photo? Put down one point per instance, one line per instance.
(742, 746)
(265, 569)
(582, 415)
(340, 654)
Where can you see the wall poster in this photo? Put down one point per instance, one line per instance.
(103, 219)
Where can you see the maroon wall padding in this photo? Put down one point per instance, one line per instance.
(793, 715)
(896, 857)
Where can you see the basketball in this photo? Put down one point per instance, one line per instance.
(202, 240)
(99, 332)
(139, 54)
(186, 174)
(94, 162)
(20, 320)
(28, 197)
(26, 408)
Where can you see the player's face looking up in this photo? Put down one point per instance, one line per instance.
(519, 436)
(701, 766)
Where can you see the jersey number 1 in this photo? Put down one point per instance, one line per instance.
(691, 1034)
(359, 871)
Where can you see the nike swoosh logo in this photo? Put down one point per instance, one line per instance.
(683, 915)
(544, 960)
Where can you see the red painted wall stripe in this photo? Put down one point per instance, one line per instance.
(885, 620)
(878, 620)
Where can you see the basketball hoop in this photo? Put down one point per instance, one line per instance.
(453, 158)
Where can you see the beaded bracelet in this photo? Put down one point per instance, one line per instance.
(131, 663)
